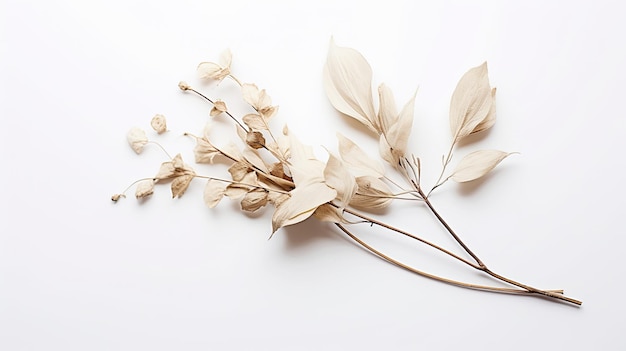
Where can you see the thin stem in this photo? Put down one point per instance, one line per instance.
(226, 112)
(449, 229)
(443, 169)
(161, 147)
(432, 276)
(399, 231)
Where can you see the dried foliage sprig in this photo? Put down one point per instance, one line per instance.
(300, 186)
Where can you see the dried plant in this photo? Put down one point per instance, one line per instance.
(298, 185)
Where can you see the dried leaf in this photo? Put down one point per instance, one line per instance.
(360, 164)
(477, 164)
(174, 168)
(398, 134)
(301, 204)
(490, 120)
(255, 140)
(258, 99)
(144, 188)
(337, 177)
(219, 106)
(255, 121)
(180, 184)
(471, 102)
(216, 71)
(254, 200)
(385, 151)
(214, 192)
(347, 81)
(137, 139)
(372, 193)
(329, 213)
(254, 159)
(238, 170)
(387, 111)
(159, 124)
(204, 151)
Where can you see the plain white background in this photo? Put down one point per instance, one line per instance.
(80, 273)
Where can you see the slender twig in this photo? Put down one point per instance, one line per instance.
(226, 112)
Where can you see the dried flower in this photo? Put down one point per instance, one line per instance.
(183, 86)
(144, 188)
(137, 139)
(216, 71)
(159, 124)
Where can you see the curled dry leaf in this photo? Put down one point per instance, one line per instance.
(477, 164)
(159, 124)
(337, 177)
(255, 121)
(258, 99)
(137, 139)
(254, 200)
(216, 71)
(204, 151)
(180, 184)
(329, 213)
(471, 103)
(174, 168)
(387, 110)
(255, 140)
(301, 204)
(213, 192)
(219, 106)
(347, 81)
(372, 194)
(397, 136)
(144, 188)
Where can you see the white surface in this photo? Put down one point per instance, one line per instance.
(79, 273)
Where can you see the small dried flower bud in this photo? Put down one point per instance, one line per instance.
(159, 124)
(219, 106)
(183, 86)
(137, 139)
(255, 140)
(116, 197)
(144, 189)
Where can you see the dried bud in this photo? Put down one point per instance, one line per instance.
(255, 140)
(219, 106)
(137, 139)
(144, 188)
(183, 86)
(254, 200)
(116, 197)
(159, 124)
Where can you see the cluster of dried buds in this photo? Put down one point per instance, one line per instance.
(299, 185)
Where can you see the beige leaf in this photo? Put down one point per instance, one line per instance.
(216, 71)
(277, 198)
(329, 213)
(258, 99)
(159, 124)
(360, 164)
(337, 177)
(255, 121)
(254, 200)
(204, 151)
(347, 81)
(303, 165)
(372, 193)
(238, 170)
(255, 140)
(213, 192)
(301, 204)
(137, 139)
(219, 106)
(385, 151)
(180, 184)
(254, 159)
(490, 120)
(243, 186)
(387, 111)
(144, 188)
(477, 164)
(174, 168)
(398, 134)
(471, 102)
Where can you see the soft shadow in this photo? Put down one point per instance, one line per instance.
(308, 232)
(474, 138)
(467, 189)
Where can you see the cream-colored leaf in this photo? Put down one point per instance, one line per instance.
(254, 200)
(372, 194)
(204, 151)
(303, 165)
(347, 81)
(301, 204)
(477, 164)
(471, 102)
(219, 106)
(387, 110)
(180, 184)
(216, 71)
(137, 139)
(357, 160)
(144, 188)
(337, 177)
(159, 124)
(398, 133)
(254, 159)
(490, 120)
(174, 168)
(277, 198)
(385, 151)
(238, 170)
(254, 121)
(214, 192)
(329, 213)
